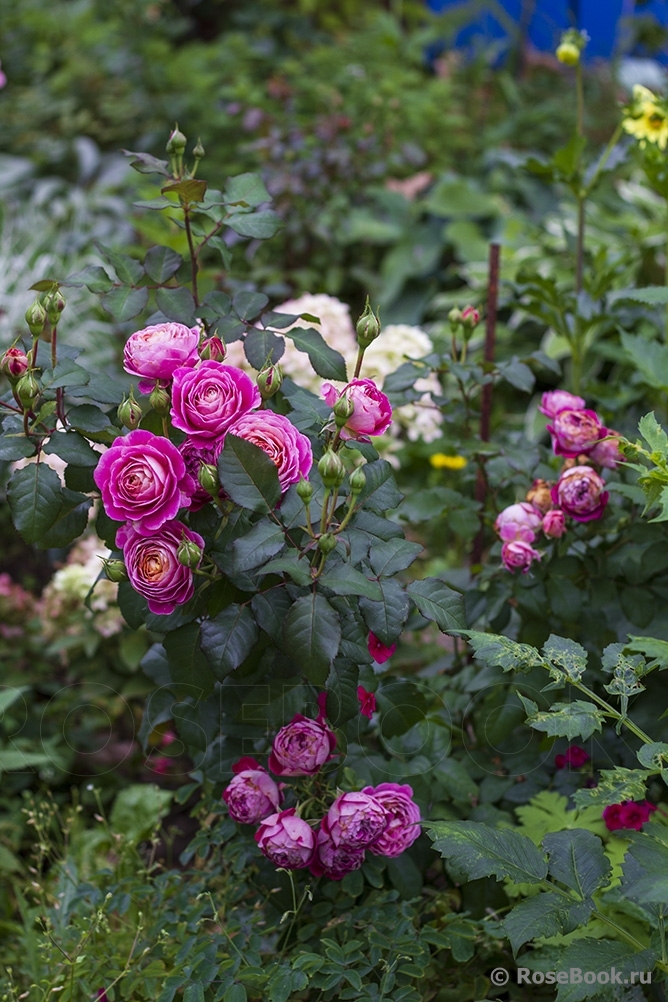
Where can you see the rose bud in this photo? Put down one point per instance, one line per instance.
(518, 521)
(559, 400)
(286, 840)
(305, 490)
(36, 318)
(327, 543)
(213, 349)
(252, 795)
(159, 401)
(403, 828)
(357, 481)
(54, 304)
(154, 353)
(189, 554)
(368, 326)
(379, 651)
(580, 493)
(519, 555)
(334, 861)
(455, 317)
(355, 820)
(470, 318)
(574, 432)
(176, 144)
(14, 364)
(129, 412)
(27, 391)
(302, 747)
(539, 495)
(208, 479)
(606, 452)
(372, 413)
(331, 469)
(115, 570)
(344, 408)
(269, 381)
(199, 152)
(554, 524)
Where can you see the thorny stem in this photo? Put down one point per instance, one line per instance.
(358, 363)
(639, 733)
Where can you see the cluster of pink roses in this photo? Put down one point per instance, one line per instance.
(383, 819)
(145, 479)
(580, 437)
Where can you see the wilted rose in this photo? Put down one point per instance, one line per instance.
(560, 400)
(367, 701)
(575, 432)
(580, 493)
(606, 453)
(286, 840)
(518, 521)
(252, 795)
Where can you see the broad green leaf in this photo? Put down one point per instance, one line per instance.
(655, 756)
(235, 993)
(228, 638)
(248, 304)
(393, 556)
(614, 786)
(35, 499)
(480, 851)
(147, 164)
(342, 701)
(93, 277)
(189, 189)
(454, 776)
(587, 954)
(124, 303)
(298, 570)
(248, 189)
(567, 159)
(15, 447)
(194, 992)
(325, 361)
(380, 492)
(138, 810)
(402, 705)
(650, 358)
(576, 858)
(496, 651)
(261, 225)
(264, 541)
(263, 346)
(518, 375)
(161, 263)
(652, 295)
(270, 611)
(88, 418)
(70, 522)
(13, 760)
(177, 305)
(248, 475)
(312, 634)
(8, 696)
(187, 663)
(567, 656)
(66, 373)
(438, 603)
(386, 617)
(215, 305)
(542, 915)
(128, 271)
(569, 720)
(654, 434)
(72, 448)
(344, 579)
(651, 648)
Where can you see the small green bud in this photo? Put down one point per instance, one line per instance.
(269, 381)
(455, 316)
(357, 480)
(115, 570)
(176, 144)
(159, 401)
(344, 409)
(213, 348)
(327, 543)
(129, 412)
(27, 391)
(331, 469)
(305, 490)
(36, 318)
(54, 304)
(568, 54)
(368, 326)
(199, 150)
(189, 554)
(207, 478)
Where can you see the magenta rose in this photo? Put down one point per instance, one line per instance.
(518, 555)
(355, 820)
(580, 493)
(208, 399)
(14, 363)
(286, 840)
(630, 814)
(606, 453)
(252, 795)
(560, 400)
(194, 454)
(379, 651)
(574, 756)
(334, 861)
(288, 449)
(155, 352)
(367, 701)
(143, 479)
(153, 566)
(575, 432)
(302, 747)
(554, 523)
(372, 414)
(403, 827)
(518, 521)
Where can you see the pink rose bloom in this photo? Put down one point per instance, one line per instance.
(581, 493)
(554, 523)
(518, 555)
(286, 840)
(14, 363)
(210, 398)
(288, 449)
(143, 479)
(518, 521)
(404, 827)
(252, 795)
(560, 400)
(302, 747)
(372, 414)
(334, 861)
(355, 820)
(155, 352)
(153, 566)
(574, 756)
(194, 454)
(630, 814)
(575, 432)
(607, 453)
(367, 701)
(379, 651)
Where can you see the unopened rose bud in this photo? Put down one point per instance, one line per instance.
(568, 54)
(305, 490)
(129, 412)
(54, 304)
(331, 470)
(207, 478)
(189, 554)
(368, 326)
(159, 401)
(540, 496)
(27, 390)
(199, 150)
(357, 480)
(36, 318)
(213, 349)
(470, 318)
(455, 317)
(327, 543)
(115, 570)
(14, 363)
(176, 144)
(344, 409)
(269, 381)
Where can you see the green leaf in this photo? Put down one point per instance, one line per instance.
(248, 304)
(12, 760)
(654, 756)
(235, 993)
(190, 189)
(147, 164)
(567, 159)
(128, 271)
(261, 225)
(262, 346)
(215, 305)
(480, 851)
(72, 448)
(614, 786)
(124, 303)
(264, 541)
(438, 603)
(567, 655)
(325, 361)
(653, 433)
(577, 859)
(386, 618)
(8, 696)
(651, 648)
(496, 651)
(138, 810)
(518, 375)
(342, 701)
(70, 522)
(248, 189)
(248, 475)
(270, 611)
(14, 447)
(380, 492)
(161, 263)
(595, 955)
(393, 556)
(93, 277)
(652, 295)
(312, 634)
(35, 500)
(295, 568)
(194, 992)
(187, 663)
(650, 358)
(177, 305)
(344, 579)
(88, 418)
(569, 720)
(542, 915)
(45, 285)
(66, 373)
(228, 638)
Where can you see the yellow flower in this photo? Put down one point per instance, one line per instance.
(442, 462)
(647, 118)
